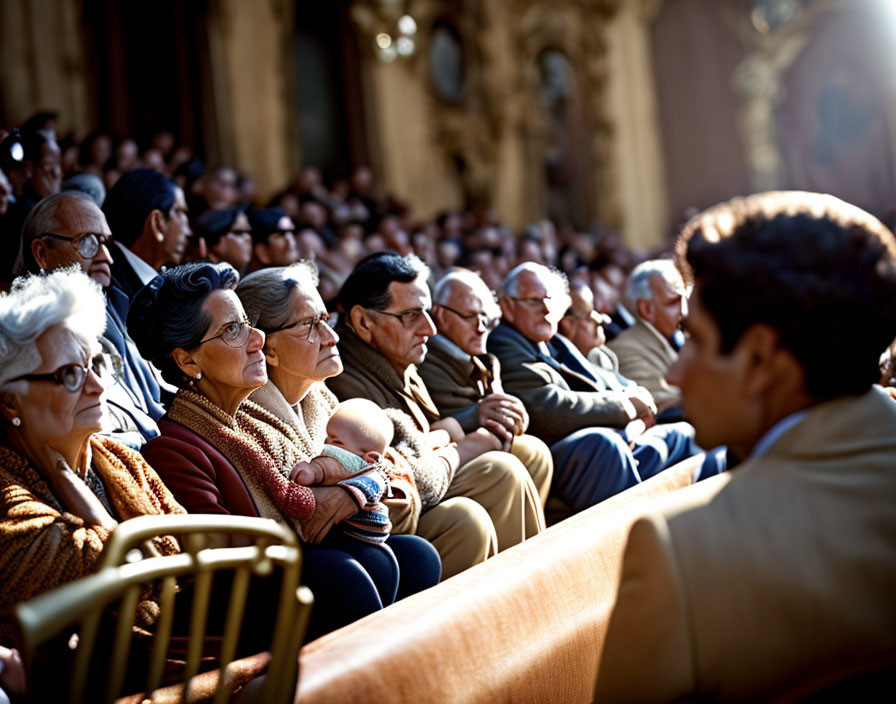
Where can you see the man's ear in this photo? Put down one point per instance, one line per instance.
(644, 308)
(506, 306)
(39, 250)
(438, 317)
(761, 358)
(567, 326)
(362, 323)
(262, 253)
(185, 361)
(154, 226)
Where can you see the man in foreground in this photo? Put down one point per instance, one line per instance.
(775, 579)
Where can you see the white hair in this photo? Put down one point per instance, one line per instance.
(638, 286)
(443, 289)
(554, 281)
(36, 303)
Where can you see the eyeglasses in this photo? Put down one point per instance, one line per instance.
(74, 376)
(87, 244)
(409, 317)
(305, 328)
(233, 335)
(239, 233)
(533, 302)
(479, 318)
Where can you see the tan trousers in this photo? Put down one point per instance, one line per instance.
(500, 483)
(537, 459)
(462, 533)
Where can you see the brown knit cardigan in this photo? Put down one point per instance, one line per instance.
(42, 545)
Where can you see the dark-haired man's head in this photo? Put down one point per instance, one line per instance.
(794, 300)
(387, 301)
(147, 213)
(228, 237)
(33, 162)
(273, 237)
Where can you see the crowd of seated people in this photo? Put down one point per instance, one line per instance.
(512, 370)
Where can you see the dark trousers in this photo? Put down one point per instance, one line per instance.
(594, 464)
(350, 578)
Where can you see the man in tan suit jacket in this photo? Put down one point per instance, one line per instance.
(656, 293)
(776, 579)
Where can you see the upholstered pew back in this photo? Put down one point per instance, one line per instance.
(526, 626)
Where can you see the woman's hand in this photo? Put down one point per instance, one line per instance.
(332, 505)
(74, 493)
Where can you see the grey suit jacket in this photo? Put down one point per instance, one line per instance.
(560, 401)
(645, 357)
(774, 577)
(447, 372)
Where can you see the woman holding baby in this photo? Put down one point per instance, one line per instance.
(219, 452)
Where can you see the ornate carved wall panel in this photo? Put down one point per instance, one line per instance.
(504, 136)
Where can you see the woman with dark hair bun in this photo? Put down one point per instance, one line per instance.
(218, 452)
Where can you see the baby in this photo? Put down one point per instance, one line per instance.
(358, 434)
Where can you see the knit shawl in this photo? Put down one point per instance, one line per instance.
(261, 447)
(308, 418)
(43, 546)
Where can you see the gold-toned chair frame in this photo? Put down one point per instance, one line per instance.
(122, 574)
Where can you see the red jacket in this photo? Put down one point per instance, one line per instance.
(200, 477)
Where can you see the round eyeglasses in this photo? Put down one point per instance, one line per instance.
(87, 244)
(474, 318)
(409, 317)
(307, 328)
(234, 334)
(73, 376)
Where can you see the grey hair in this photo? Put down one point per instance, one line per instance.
(445, 286)
(638, 286)
(554, 281)
(37, 303)
(265, 293)
(41, 219)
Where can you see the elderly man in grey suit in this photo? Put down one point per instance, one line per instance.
(775, 579)
(646, 350)
(464, 381)
(599, 425)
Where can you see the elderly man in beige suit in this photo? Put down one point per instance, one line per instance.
(647, 349)
(777, 578)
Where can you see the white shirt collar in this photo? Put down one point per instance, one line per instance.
(773, 434)
(143, 270)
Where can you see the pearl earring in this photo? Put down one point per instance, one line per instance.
(198, 376)
(16, 421)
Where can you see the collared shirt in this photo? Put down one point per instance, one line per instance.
(776, 431)
(143, 270)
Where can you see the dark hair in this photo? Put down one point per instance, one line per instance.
(264, 223)
(368, 284)
(133, 197)
(819, 271)
(167, 312)
(214, 224)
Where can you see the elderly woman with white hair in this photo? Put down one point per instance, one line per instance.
(63, 487)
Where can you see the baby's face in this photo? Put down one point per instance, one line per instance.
(343, 432)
